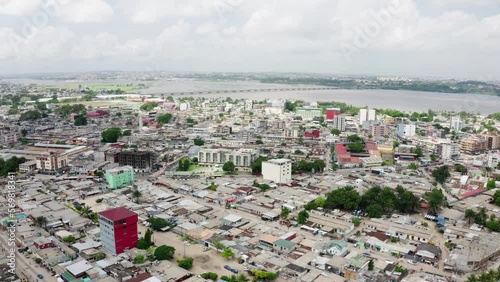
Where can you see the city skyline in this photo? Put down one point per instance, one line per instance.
(389, 38)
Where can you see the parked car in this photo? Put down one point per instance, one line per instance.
(389, 261)
(410, 261)
(39, 276)
(235, 271)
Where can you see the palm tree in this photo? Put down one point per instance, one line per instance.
(41, 221)
(86, 211)
(242, 278)
(136, 194)
(470, 216)
(487, 171)
(472, 278)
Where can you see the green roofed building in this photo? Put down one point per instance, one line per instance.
(120, 176)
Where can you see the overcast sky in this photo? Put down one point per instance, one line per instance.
(443, 38)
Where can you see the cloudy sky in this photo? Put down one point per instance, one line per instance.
(445, 38)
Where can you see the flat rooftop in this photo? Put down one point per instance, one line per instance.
(117, 213)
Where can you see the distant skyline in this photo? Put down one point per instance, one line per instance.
(445, 38)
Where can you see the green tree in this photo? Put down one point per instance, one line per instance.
(470, 216)
(264, 275)
(375, 211)
(165, 118)
(257, 165)
(210, 275)
(284, 212)
(354, 138)
(127, 133)
(441, 173)
(259, 142)
(302, 217)
(436, 200)
(100, 256)
(496, 198)
(227, 253)
(335, 131)
(345, 198)
(142, 244)
(491, 184)
(136, 194)
(41, 221)
(138, 259)
(356, 147)
(148, 235)
(185, 263)
(111, 135)
(69, 239)
(356, 221)
(164, 252)
(218, 245)
(412, 166)
(199, 142)
(395, 144)
(31, 115)
(148, 106)
(80, 120)
(371, 265)
(228, 167)
(418, 152)
(158, 223)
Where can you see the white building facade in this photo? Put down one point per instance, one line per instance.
(277, 170)
(406, 130)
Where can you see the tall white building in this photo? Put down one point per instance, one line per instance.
(339, 123)
(493, 160)
(448, 151)
(366, 115)
(248, 105)
(456, 124)
(277, 170)
(406, 130)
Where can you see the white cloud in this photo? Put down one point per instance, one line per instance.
(18, 7)
(84, 11)
(265, 34)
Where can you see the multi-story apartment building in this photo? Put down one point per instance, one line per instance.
(339, 123)
(366, 115)
(331, 113)
(9, 138)
(448, 151)
(493, 160)
(378, 130)
(277, 170)
(456, 124)
(493, 141)
(248, 105)
(120, 176)
(308, 113)
(242, 158)
(406, 130)
(118, 229)
(473, 145)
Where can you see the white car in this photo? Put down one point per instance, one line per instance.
(389, 261)
(410, 261)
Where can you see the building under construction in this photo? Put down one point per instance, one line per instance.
(139, 160)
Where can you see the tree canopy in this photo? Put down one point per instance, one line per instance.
(228, 167)
(441, 173)
(164, 252)
(111, 135)
(165, 118)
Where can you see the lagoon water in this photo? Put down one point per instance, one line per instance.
(402, 100)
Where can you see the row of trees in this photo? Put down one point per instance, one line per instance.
(493, 275)
(481, 217)
(378, 201)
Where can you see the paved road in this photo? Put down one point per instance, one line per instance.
(26, 267)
